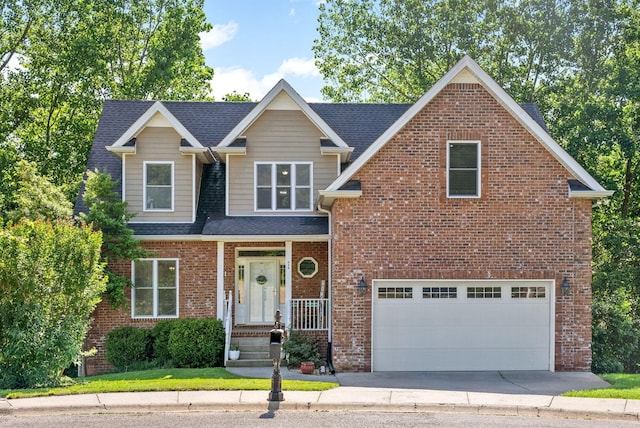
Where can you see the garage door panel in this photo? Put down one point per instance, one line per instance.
(462, 334)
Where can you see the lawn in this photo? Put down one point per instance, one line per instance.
(622, 386)
(167, 380)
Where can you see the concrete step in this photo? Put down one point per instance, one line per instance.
(249, 363)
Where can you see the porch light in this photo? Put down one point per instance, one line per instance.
(565, 286)
(362, 285)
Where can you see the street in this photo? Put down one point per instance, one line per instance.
(253, 419)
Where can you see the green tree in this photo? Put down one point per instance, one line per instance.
(107, 212)
(74, 55)
(51, 279)
(31, 196)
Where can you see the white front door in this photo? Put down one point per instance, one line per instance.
(263, 291)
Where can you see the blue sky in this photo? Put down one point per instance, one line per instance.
(255, 43)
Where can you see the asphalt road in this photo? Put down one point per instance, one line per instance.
(299, 419)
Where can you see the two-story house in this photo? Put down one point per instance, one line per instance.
(449, 234)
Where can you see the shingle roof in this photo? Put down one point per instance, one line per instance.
(359, 125)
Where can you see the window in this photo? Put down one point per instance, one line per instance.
(528, 292)
(484, 292)
(308, 267)
(155, 288)
(158, 186)
(395, 293)
(283, 186)
(439, 292)
(463, 169)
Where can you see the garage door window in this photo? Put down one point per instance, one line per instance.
(528, 292)
(395, 293)
(484, 292)
(439, 292)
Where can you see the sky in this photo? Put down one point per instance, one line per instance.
(255, 43)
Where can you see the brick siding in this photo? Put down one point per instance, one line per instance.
(523, 226)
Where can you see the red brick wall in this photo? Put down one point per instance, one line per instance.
(197, 294)
(404, 226)
(198, 286)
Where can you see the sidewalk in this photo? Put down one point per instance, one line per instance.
(353, 398)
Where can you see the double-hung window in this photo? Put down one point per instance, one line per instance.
(283, 186)
(463, 169)
(155, 288)
(158, 186)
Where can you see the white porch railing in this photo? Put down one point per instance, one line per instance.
(228, 325)
(309, 314)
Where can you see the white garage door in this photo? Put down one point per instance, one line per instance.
(462, 325)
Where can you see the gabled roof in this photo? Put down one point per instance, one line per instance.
(280, 87)
(142, 121)
(517, 111)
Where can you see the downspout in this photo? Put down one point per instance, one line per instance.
(332, 369)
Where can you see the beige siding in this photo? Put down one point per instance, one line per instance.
(159, 144)
(277, 136)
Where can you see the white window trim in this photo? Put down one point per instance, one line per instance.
(144, 186)
(478, 171)
(315, 271)
(274, 187)
(155, 289)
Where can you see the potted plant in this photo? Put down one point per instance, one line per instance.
(234, 351)
(302, 351)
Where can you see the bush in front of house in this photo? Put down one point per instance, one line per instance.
(299, 347)
(129, 347)
(197, 342)
(161, 332)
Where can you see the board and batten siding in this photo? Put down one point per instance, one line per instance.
(277, 136)
(159, 144)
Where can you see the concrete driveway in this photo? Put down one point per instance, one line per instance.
(499, 382)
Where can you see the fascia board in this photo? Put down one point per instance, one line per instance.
(254, 114)
(121, 149)
(590, 194)
(235, 238)
(139, 124)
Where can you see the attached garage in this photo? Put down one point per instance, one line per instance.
(430, 325)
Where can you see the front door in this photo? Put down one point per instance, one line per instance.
(263, 291)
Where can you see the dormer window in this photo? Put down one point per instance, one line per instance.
(158, 186)
(283, 186)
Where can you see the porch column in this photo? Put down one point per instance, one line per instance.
(288, 295)
(220, 282)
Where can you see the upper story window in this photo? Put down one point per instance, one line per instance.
(283, 186)
(155, 288)
(463, 169)
(158, 186)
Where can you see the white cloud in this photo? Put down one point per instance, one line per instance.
(219, 34)
(227, 80)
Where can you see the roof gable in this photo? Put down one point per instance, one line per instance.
(282, 97)
(156, 115)
(468, 71)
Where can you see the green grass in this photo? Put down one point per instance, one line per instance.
(167, 380)
(622, 386)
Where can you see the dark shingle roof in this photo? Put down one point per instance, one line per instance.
(359, 125)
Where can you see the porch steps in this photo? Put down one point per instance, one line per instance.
(254, 352)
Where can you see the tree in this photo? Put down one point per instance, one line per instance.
(108, 214)
(395, 50)
(76, 54)
(31, 196)
(51, 279)
(237, 97)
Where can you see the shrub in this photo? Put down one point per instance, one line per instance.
(161, 333)
(51, 279)
(197, 343)
(128, 346)
(300, 347)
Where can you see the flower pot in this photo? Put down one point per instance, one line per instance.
(307, 367)
(234, 354)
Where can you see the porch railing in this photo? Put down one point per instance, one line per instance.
(310, 314)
